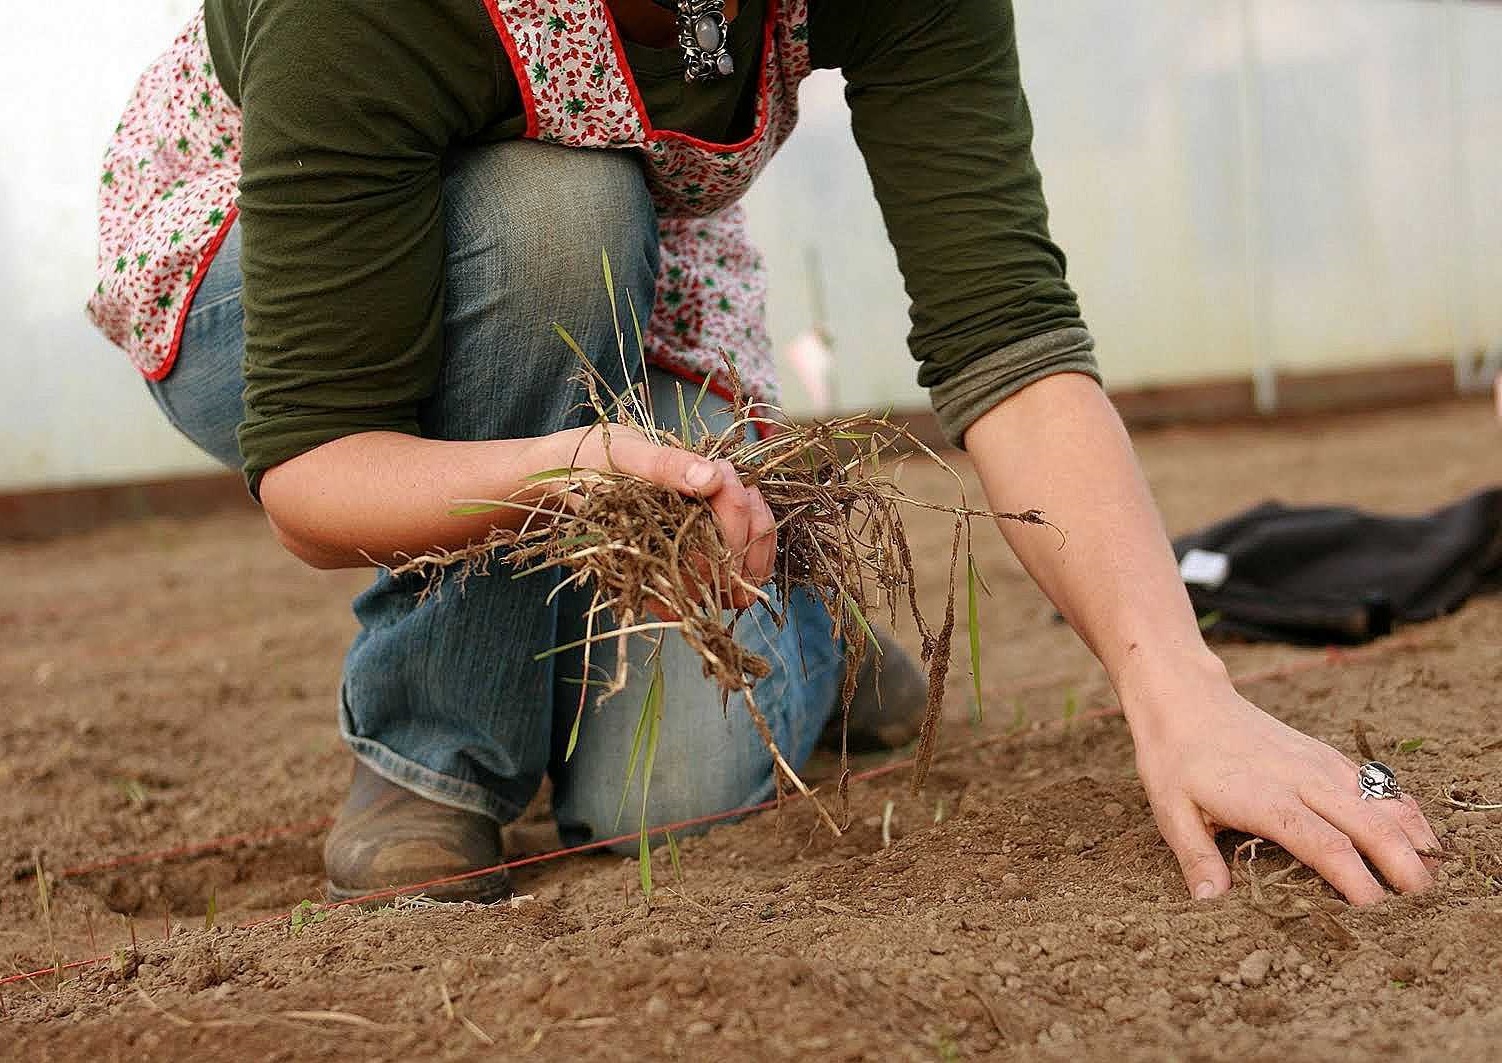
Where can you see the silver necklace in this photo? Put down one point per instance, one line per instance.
(704, 36)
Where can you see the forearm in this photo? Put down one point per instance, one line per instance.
(1059, 446)
(369, 496)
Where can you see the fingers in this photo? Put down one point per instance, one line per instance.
(762, 555)
(1416, 826)
(1318, 844)
(734, 509)
(1193, 842)
(1381, 830)
(749, 531)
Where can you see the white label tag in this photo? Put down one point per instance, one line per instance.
(1204, 568)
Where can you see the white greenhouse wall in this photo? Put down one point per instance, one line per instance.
(1241, 186)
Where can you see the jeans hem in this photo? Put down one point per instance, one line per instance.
(424, 781)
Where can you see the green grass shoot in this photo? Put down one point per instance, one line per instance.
(673, 856)
(653, 698)
(683, 424)
(860, 618)
(550, 474)
(1071, 709)
(615, 314)
(572, 343)
(212, 912)
(474, 509)
(699, 399)
(1410, 745)
(649, 757)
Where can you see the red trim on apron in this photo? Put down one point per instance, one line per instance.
(523, 80)
(199, 273)
(618, 45)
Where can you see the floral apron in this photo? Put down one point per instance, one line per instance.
(170, 178)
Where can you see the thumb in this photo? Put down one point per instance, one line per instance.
(1193, 842)
(669, 467)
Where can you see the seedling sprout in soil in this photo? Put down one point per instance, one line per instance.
(642, 548)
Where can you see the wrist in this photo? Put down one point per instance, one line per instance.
(1156, 684)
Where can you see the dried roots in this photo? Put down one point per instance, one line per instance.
(643, 549)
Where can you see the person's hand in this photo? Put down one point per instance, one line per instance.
(747, 526)
(1222, 763)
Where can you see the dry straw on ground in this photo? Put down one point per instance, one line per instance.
(645, 549)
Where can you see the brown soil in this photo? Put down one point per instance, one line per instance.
(167, 682)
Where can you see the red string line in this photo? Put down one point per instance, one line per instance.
(1331, 656)
(228, 841)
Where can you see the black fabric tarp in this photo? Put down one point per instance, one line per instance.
(1325, 574)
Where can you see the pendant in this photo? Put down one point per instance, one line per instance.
(704, 36)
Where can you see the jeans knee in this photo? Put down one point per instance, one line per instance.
(705, 762)
(537, 217)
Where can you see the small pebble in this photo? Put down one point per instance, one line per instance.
(534, 986)
(1402, 971)
(1254, 969)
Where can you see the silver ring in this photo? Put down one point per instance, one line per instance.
(1378, 781)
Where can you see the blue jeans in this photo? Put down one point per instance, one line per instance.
(445, 697)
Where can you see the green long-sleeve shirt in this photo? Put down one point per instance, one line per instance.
(351, 108)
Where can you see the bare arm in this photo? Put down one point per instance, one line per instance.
(1207, 757)
(369, 496)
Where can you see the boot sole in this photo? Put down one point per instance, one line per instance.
(486, 889)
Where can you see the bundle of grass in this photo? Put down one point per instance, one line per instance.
(656, 561)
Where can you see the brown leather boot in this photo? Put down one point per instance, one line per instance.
(891, 693)
(388, 837)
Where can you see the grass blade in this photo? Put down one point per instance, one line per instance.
(974, 606)
(673, 856)
(654, 728)
(860, 618)
(641, 346)
(653, 694)
(213, 912)
(686, 429)
(615, 314)
(573, 734)
(703, 390)
(573, 344)
(474, 509)
(568, 472)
